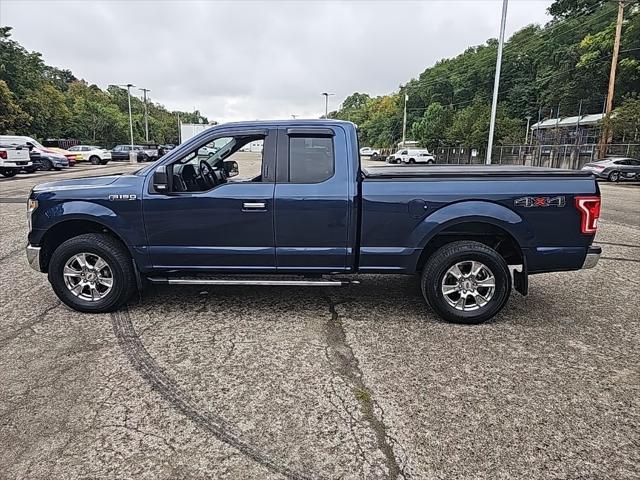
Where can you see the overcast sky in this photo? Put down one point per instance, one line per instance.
(246, 60)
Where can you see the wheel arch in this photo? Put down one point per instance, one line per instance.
(66, 229)
(486, 222)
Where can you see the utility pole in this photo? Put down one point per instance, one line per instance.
(326, 103)
(496, 83)
(607, 134)
(179, 128)
(526, 138)
(404, 120)
(146, 117)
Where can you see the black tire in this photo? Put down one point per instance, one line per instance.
(46, 164)
(8, 172)
(412, 161)
(446, 257)
(118, 260)
(95, 160)
(430, 162)
(614, 176)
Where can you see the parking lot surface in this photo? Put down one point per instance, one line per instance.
(358, 382)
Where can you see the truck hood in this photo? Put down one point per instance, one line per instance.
(77, 183)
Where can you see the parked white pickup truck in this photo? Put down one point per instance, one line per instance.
(13, 159)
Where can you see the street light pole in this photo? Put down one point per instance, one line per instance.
(404, 120)
(326, 103)
(129, 85)
(496, 83)
(146, 117)
(526, 140)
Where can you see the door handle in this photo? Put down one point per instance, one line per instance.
(254, 205)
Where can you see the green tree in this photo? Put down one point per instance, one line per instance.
(12, 118)
(430, 130)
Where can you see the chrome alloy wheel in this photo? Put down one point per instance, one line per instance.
(468, 285)
(88, 276)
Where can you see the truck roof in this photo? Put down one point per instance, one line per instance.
(316, 122)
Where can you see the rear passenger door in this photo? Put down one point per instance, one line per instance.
(311, 201)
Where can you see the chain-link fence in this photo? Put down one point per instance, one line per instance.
(555, 156)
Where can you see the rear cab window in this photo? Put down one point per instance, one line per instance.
(311, 159)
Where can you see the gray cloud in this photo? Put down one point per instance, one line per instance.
(257, 59)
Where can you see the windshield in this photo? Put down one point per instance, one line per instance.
(35, 143)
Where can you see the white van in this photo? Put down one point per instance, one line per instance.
(409, 155)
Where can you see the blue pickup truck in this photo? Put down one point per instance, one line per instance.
(304, 213)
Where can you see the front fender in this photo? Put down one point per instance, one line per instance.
(472, 211)
(126, 223)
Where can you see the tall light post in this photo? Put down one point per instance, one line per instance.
(496, 82)
(404, 120)
(146, 117)
(128, 85)
(326, 103)
(526, 138)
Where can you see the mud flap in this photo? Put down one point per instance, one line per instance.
(521, 280)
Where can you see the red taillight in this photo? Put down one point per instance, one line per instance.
(589, 208)
(3, 154)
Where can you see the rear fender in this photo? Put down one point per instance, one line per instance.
(472, 211)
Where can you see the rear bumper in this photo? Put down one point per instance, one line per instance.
(592, 258)
(33, 257)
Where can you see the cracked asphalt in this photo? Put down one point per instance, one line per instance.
(362, 382)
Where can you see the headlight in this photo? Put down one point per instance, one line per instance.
(32, 204)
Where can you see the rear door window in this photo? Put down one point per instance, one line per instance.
(311, 159)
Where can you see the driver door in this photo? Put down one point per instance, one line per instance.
(227, 227)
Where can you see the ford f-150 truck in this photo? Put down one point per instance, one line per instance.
(308, 214)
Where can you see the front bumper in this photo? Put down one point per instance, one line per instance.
(592, 258)
(33, 257)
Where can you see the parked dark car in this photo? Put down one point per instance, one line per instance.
(615, 169)
(470, 233)
(121, 152)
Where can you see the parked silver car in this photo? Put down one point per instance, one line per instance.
(615, 169)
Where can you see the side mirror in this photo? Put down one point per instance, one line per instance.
(231, 168)
(161, 179)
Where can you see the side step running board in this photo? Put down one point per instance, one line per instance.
(254, 282)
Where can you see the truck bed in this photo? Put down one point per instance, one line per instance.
(438, 171)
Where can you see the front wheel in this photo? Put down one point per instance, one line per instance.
(466, 282)
(95, 160)
(92, 273)
(614, 176)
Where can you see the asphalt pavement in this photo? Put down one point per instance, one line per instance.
(351, 383)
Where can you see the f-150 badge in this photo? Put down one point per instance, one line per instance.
(113, 198)
(529, 202)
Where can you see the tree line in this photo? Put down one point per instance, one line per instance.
(560, 69)
(47, 102)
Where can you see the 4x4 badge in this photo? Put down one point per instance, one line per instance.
(529, 202)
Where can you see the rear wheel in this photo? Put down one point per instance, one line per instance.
(614, 176)
(8, 172)
(95, 160)
(92, 273)
(466, 282)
